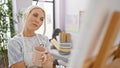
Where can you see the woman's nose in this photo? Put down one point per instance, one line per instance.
(37, 20)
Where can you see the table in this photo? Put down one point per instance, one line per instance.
(57, 55)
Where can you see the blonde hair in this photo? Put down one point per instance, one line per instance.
(28, 11)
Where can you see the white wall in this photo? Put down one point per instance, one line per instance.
(68, 7)
(19, 5)
(74, 6)
(90, 25)
(57, 14)
(60, 14)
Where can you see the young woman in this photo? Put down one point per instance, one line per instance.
(21, 47)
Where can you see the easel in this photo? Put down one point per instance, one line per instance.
(108, 41)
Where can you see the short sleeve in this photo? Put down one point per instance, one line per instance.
(15, 53)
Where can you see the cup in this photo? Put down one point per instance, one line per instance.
(39, 55)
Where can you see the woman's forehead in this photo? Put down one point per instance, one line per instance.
(37, 10)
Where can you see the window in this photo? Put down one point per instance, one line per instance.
(48, 6)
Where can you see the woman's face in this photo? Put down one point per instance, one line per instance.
(35, 19)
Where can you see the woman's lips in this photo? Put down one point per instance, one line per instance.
(35, 25)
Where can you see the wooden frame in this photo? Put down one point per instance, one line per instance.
(108, 41)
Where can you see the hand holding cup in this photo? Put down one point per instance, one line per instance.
(39, 55)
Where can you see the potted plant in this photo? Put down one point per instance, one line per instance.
(6, 27)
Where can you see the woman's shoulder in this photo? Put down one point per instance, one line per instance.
(15, 43)
(16, 38)
(42, 36)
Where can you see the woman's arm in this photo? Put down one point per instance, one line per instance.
(19, 65)
(15, 54)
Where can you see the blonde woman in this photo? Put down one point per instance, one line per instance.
(21, 47)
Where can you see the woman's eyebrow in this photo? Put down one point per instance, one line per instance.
(39, 14)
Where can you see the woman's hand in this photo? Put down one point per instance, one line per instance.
(49, 61)
(41, 57)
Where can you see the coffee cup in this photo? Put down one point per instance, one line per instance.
(39, 55)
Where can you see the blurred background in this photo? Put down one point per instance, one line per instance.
(74, 27)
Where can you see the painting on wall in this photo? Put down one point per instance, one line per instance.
(72, 23)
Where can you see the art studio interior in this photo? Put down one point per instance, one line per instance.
(72, 33)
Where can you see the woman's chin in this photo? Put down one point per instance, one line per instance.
(33, 29)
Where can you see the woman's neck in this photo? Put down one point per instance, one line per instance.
(28, 33)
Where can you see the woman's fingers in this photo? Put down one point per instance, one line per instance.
(49, 57)
(46, 57)
(49, 61)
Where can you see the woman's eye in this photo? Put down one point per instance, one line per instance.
(35, 15)
(41, 19)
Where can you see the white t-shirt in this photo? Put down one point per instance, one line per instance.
(21, 48)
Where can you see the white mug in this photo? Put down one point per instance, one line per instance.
(39, 55)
